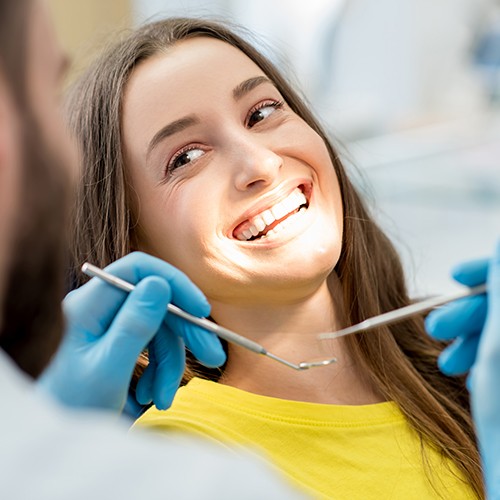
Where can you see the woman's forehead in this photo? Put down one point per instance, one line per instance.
(191, 73)
(195, 60)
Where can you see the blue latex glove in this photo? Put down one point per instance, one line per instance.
(107, 329)
(474, 323)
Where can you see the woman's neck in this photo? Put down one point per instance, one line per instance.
(289, 330)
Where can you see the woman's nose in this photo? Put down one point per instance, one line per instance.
(256, 164)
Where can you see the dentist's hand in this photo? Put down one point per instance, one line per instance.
(474, 323)
(461, 321)
(107, 329)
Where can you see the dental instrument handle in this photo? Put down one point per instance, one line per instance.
(224, 333)
(220, 331)
(403, 313)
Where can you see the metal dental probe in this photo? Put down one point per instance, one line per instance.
(223, 333)
(403, 313)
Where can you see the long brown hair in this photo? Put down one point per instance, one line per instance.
(400, 361)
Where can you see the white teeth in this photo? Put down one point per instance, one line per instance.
(279, 210)
(290, 203)
(259, 223)
(284, 224)
(257, 226)
(293, 201)
(301, 197)
(268, 217)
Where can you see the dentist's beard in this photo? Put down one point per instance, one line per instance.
(32, 315)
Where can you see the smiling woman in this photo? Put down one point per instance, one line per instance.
(195, 149)
(238, 153)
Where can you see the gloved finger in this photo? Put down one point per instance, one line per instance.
(463, 317)
(471, 273)
(170, 362)
(459, 357)
(144, 389)
(132, 409)
(135, 324)
(96, 303)
(92, 307)
(494, 289)
(204, 345)
(490, 343)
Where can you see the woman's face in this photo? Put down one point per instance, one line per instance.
(232, 187)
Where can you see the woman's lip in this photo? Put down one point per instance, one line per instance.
(270, 199)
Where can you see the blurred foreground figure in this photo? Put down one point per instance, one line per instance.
(45, 453)
(474, 326)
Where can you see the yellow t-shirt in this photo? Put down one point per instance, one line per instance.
(328, 451)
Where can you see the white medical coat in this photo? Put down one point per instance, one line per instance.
(50, 453)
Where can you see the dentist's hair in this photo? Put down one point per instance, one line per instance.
(400, 360)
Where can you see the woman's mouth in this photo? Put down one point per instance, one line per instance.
(273, 219)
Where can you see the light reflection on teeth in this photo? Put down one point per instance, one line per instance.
(259, 223)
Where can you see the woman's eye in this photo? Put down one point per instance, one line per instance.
(184, 157)
(262, 112)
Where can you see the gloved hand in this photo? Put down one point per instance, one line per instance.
(474, 323)
(107, 329)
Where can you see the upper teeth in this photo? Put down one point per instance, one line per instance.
(258, 223)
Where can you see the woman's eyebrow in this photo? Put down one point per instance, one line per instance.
(171, 129)
(248, 85)
(188, 121)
